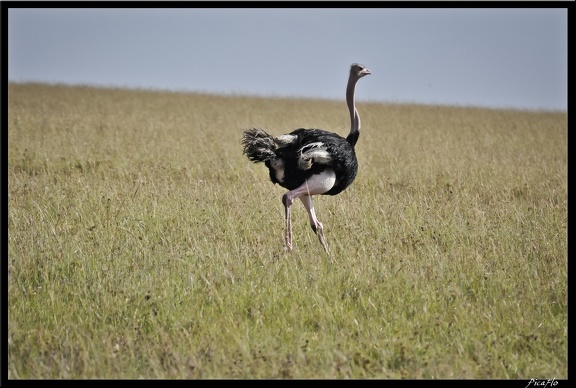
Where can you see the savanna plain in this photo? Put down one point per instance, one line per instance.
(142, 244)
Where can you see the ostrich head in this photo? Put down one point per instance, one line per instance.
(358, 71)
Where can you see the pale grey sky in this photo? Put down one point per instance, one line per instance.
(515, 57)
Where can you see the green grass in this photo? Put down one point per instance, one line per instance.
(143, 244)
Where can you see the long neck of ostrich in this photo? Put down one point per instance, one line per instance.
(354, 116)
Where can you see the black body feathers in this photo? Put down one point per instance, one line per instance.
(294, 157)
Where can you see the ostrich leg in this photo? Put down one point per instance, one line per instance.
(316, 225)
(288, 232)
(316, 184)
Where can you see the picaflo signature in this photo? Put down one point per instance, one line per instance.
(542, 383)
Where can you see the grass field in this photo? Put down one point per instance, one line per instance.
(143, 244)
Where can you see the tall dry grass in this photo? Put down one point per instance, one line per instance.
(143, 244)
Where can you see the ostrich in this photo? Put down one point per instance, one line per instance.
(309, 162)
